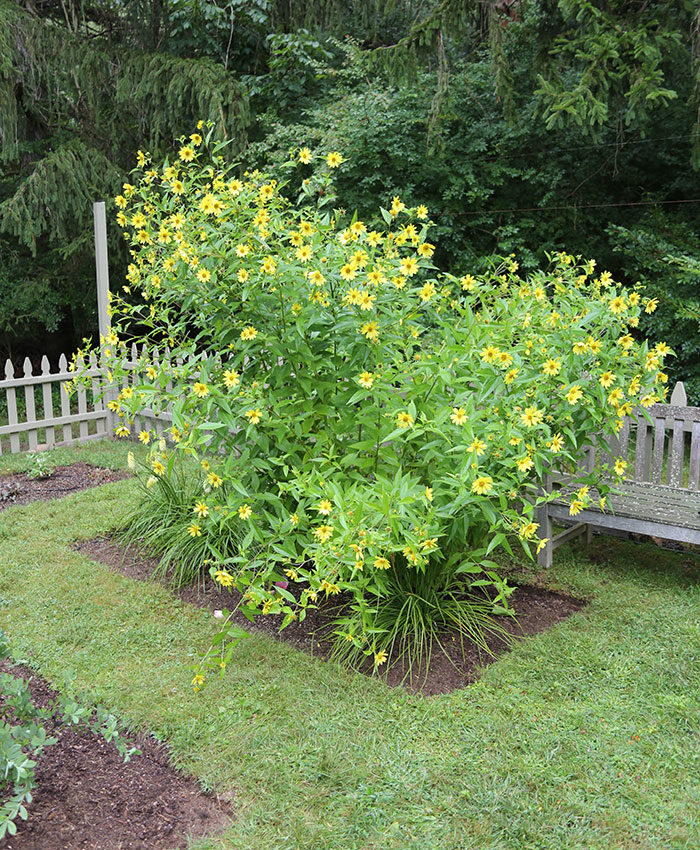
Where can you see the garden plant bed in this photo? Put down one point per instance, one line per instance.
(537, 609)
(19, 489)
(87, 797)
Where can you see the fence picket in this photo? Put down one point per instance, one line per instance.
(157, 365)
(11, 406)
(98, 403)
(148, 421)
(137, 425)
(65, 401)
(167, 367)
(29, 405)
(83, 428)
(47, 402)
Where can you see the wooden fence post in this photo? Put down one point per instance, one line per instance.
(101, 267)
(47, 399)
(103, 313)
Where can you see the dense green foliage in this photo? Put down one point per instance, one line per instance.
(664, 254)
(73, 105)
(525, 126)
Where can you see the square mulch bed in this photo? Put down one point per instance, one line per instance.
(451, 666)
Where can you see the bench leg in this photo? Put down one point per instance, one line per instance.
(589, 534)
(544, 557)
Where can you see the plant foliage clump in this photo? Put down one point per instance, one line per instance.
(363, 425)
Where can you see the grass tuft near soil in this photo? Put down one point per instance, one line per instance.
(583, 736)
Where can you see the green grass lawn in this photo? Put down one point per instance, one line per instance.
(585, 736)
(110, 454)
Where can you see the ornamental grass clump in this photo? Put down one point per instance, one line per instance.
(365, 423)
(164, 523)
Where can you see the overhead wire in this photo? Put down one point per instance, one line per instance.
(620, 144)
(582, 206)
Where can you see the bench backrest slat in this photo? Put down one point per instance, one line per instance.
(624, 437)
(675, 459)
(659, 439)
(642, 456)
(694, 471)
(591, 456)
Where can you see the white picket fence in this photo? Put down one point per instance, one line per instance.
(40, 413)
(53, 418)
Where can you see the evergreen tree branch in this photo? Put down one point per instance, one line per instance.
(57, 195)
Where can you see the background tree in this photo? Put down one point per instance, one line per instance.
(79, 93)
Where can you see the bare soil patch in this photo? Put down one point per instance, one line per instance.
(451, 665)
(19, 489)
(88, 799)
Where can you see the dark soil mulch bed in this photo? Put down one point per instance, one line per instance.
(537, 609)
(88, 799)
(18, 489)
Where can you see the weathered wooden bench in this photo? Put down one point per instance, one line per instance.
(661, 496)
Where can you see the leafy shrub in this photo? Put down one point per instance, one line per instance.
(23, 738)
(359, 417)
(39, 465)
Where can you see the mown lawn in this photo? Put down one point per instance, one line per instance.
(586, 736)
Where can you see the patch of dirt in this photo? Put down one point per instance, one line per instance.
(88, 799)
(450, 668)
(19, 489)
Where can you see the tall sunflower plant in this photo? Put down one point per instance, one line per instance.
(358, 419)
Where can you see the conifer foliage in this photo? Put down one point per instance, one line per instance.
(77, 97)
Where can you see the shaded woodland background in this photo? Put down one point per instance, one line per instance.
(526, 126)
